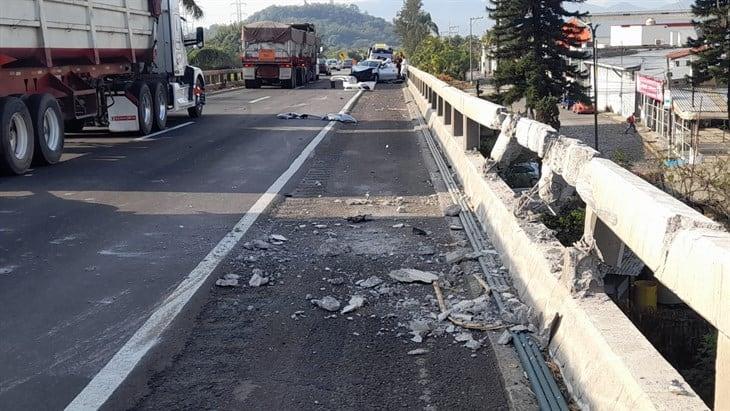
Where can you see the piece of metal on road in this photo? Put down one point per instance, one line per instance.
(259, 99)
(167, 130)
(113, 374)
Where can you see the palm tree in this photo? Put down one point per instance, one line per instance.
(192, 7)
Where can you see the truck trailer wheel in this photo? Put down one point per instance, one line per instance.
(145, 110)
(159, 97)
(197, 110)
(48, 126)
(16, 136)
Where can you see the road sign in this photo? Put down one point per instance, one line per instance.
(343, 55)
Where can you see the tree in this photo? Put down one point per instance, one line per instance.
(534, 46)
(712, 44)
(192, 7)
(213, 58)
(413, 25)
(443, 56)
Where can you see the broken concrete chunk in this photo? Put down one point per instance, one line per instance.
(473, 345)
(456, 227)
(258, 279)
(399, 225)
(401, 209)
(333, 247)
(457, 256)
(410, 275)
(370, 282)
(453, 210)
(356, 301)
(231, 276)
(463, 337)
(418, 231)
(360, 218)
(223, 282)
(505, 338)
(357, 201)
(327, 303)
(418, 351)
(261, 244)
(426, 250)
(278, 237)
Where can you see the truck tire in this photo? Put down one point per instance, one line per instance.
(145, 108)
(197, 110)
(159, 99)
(16, 136)
(48, 126)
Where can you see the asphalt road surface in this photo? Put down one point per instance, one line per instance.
(90, 247)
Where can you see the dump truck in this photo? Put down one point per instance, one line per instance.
(67, 64)
(279, 54)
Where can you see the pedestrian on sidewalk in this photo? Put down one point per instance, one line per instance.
(631, 121)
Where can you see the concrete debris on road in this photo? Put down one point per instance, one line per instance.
(401, 209)
(341, 117)
(258, 279)
(463, 337)
(333, 248)
(457, 256)
(336, 281)
(418, 351)
(399, 225)
(356, 301)
(327, 303)
(222, 282)
(505, 338)
(419, 328)
(410, 275)
(452, 211)
(370, 282)
(278, 237)
(473, 345)
(426, 250)
(261, 244)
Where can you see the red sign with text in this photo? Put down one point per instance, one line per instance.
(650, 87)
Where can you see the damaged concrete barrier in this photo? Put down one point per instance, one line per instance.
(606, 362)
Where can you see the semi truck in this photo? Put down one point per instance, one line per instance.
(279, 54)
(67, 64)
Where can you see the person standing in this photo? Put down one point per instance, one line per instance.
(631, 124)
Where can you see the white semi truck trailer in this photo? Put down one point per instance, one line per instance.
(67, 64)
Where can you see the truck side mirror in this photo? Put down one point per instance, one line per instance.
(200, 37)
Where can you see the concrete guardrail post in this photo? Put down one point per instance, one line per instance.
(439, 106)
(471, 130)
(434, 99)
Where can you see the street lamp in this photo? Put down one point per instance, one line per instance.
(593, 29)
(471, 34)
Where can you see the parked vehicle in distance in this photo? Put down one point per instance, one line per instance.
(333, 64)
(279, 54)
(58, 76)
(523, 175)
(380, 51)
(323, 68)
(582, 108)
(347, 64)
(375, 70)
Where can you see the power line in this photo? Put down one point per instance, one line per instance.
(239, 9)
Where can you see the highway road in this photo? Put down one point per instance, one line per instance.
(90, 247)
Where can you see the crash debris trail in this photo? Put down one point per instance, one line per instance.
(350, 314)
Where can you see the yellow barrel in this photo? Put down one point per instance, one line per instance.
(645, 294)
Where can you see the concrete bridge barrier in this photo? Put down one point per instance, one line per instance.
(606, 362)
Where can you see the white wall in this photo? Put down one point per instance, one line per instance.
(626, 36)
(616, 91)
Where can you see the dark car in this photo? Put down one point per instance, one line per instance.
(324, 68)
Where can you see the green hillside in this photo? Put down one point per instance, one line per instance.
(339, 26)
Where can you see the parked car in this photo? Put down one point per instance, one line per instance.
(332, 64)
(375, 70)
(324, 68)
(582, 108)
(347, 64)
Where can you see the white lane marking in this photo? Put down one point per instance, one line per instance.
(259, 99)
(109, 378)
(167, 130)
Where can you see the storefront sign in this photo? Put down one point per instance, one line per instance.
(650, 87)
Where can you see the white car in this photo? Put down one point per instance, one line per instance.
(332, 63)
(375, 70)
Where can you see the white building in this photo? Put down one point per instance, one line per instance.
(607, 20)
(652, 33)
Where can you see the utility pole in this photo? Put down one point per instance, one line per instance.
(593, 29)
(239, 9)
(471, 49)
